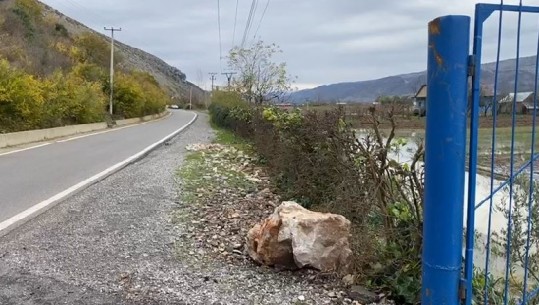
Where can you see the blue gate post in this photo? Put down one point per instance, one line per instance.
(445, 152)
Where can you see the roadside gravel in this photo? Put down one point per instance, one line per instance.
(115, 243)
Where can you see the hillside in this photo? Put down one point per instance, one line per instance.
(169, 77)
(408, 84)
(29, 43)
(54, 71)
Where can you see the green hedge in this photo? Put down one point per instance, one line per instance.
(228, 110)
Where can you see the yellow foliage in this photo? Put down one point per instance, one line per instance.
(74, 95)
(89, 72)
(91, 48)
(61, 47)
(138, 94)
(77, 54)
(21, 97)
(27, 102)
(72, 100)
(30, 7)
(50, 20)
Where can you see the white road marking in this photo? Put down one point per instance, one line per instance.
(96, 133)
(23, 149)
(18, 219)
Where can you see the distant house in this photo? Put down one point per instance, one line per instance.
(286, 106)
(523, 101)
(486, 100)
(420, 102)
(529, 104)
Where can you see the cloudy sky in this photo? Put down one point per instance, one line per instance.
(323, 41)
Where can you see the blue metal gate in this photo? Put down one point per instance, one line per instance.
(487, 137)
(514, 283)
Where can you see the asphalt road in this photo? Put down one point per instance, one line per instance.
(35, 175)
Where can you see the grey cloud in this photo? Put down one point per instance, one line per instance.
(323, 41)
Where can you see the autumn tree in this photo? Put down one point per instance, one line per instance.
(259, 79)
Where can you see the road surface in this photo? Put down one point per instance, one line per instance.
(32, 176)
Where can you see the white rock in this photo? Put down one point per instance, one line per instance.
(296, 237)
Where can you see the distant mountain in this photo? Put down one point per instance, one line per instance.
(408, 84)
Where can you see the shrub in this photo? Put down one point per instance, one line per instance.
(228, 110)
(90, 72)
(29, 11)
(91, 48)
(30, 7)
(21, 98)
(72, 100)
(61, 30)
(137, 94)
(27, 102)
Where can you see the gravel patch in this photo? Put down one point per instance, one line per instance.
(116, 243)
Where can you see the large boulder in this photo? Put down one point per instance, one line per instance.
(294, 237)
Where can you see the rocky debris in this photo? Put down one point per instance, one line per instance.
(205, 147)
(349, 279)
(216, 223)
(294, 237)
(228, 202)
(362, 295)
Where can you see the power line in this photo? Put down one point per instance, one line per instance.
(235, 21)
(261, 18)
(253, 18)
(87, 10)
(220, 41)
(249, 21)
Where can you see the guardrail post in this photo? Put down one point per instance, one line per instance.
(445, 152)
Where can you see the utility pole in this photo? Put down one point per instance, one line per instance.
(212, 74)
(229, 77)
(112, 30)
(190, 97)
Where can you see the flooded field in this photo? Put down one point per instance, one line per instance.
(489, 216)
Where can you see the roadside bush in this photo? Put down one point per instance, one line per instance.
(307, 154)
(137, 94)
(228, 110)
(395, 191)
(27, 102)
(69, 99)
(21, 98)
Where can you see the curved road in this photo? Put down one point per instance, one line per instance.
(36, 175)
